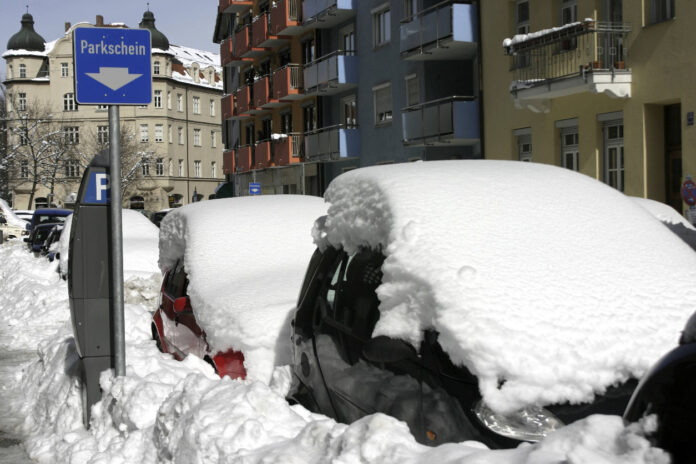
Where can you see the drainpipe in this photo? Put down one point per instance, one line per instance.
(480, 79)
(188, 141)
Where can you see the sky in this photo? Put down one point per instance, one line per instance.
(184, 22)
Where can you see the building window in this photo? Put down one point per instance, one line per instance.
(158, 99)
(286, 123)
(197, 168)
(145, 167)
(24, 170)
(179, 102)
(196, 105)
(382, 99)
(308, 51)
(660, 10)
(412, 91)
(156, 68)
(169, 133)
(212, 107)
(213, 142)
(10, 72)
(196, 137)
(159, 133)
(309, 114)
(144, 133)
(72, 135)
(102, 135)
(381, 26)
(72, 168)
(569, 11)
(169, 100)
(22, 70)
(349, 112)
(102, 107)
(23, 136)
(524, 145)
(213, 169)
(614, 154)
(159, 167)
(181, 168)
(21, 101)
(64, 70)
(569, 148)
(180, 135)
(522, 17)
(69, 103)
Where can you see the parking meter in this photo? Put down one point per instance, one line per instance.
(89, 279)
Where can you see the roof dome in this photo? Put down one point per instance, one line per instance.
(26, 38)
(159, 40)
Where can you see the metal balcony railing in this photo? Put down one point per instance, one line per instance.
(286, 79)
(571, 50)
(429, 25)
(325, 143)
(431, 120)
(325, 69)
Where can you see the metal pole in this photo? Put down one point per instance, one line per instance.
(118, 326)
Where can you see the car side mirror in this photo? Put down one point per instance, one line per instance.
(383, 349)
(182, 304)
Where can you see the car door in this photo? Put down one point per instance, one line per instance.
(181, 330)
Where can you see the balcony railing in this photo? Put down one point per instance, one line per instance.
(228, 164)
(452, 120)
(228, 53)
(286, 18)
(331, 73)
(234, 6)
(262, 91)
(332, 143)
(263, 154)
(245, 158)
(243, 95)
(447, 30)
(572, 50)
(227, 107)
(289, 149)
(327, 13)
(242, 41)
(288, 82)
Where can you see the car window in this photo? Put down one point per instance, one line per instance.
(177, 281)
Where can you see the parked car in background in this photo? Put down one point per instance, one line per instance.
(38, 237)
(49, 216)
(11, 230)
(232, 268)
(157, 216)
(438, 298)
(48, 248)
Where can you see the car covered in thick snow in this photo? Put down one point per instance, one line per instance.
(232, 269)
(484, 300)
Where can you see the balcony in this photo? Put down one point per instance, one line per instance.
(446, 31)
(262, 37)
(228, 54)
(324, 14)
(243, 43)
(331, 74)
(263, 155)
(262, 92)
(245, 158)
(287, 84)
(285, 18)
(227, 107)
(228, 163)
(234, 6)
(288, 149)
(332, 143)
(243, 97)
(583, 57)
(447, 121)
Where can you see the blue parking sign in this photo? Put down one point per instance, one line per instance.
(112, 66)
(254, 188)
(97, 191)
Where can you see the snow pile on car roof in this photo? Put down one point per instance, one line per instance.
(10, 216)
(546, 284)
(245, 259)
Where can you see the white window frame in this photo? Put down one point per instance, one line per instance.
(196, 137)
(180, 135)
(69, 103)
(179, 102)
(350, 101)
(144, 133)
(64, 70)
(213, 141)
(156, 68)
(158, 99)
(72, 135)
(169, 100)
(196, 105)
(522, 25)
(212, 107)
(170, 137)
(382, 117)
(181, 168)
(159, 167)
(411, 81)
(102, 135)
(381, 25)
(197, 168)
(145, 167)
(22, 71)
(21, 101)
(570, 153)
(524, 144)
(159, 133)
(614, 147)
(213, 169)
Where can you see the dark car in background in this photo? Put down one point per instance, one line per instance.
(38, 237)
(49, 216)
(53, 238)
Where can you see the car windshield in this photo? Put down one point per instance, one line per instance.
(50, 219)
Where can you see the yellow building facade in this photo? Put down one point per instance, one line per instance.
(604, 87)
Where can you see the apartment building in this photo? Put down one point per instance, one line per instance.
(603, 87)
(178, 135)
(317, 87)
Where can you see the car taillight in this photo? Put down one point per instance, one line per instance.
(230, 363)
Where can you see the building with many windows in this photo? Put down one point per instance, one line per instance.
(313, 88)
(176, 139)
(603, 87)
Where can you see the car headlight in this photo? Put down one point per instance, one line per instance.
(528, 424)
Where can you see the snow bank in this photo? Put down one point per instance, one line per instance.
(245, 258)
(545, 283)
(11, 217)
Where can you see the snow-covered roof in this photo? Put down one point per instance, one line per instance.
(245, 259)
(547, 284)
(188, 56)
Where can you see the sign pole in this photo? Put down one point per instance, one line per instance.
(116, 243)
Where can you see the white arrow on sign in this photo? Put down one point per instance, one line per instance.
(113, 78)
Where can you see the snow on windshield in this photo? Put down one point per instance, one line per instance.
(548, 285)
(245, 259)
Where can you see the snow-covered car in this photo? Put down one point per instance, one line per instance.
(48, 248)
(232, 269)
(485, 300)
(10, 230)
(25, 214)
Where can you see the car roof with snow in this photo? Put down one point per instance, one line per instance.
(245, 258)
(548, 285)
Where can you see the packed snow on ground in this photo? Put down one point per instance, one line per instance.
(245, 259)
(11, 217)
(165, 411)
(546, 284)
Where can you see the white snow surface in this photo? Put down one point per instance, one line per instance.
(165, 411)
(245, 259)
(518, 38)
(663, 212)
(10, 216)
(548, 285)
